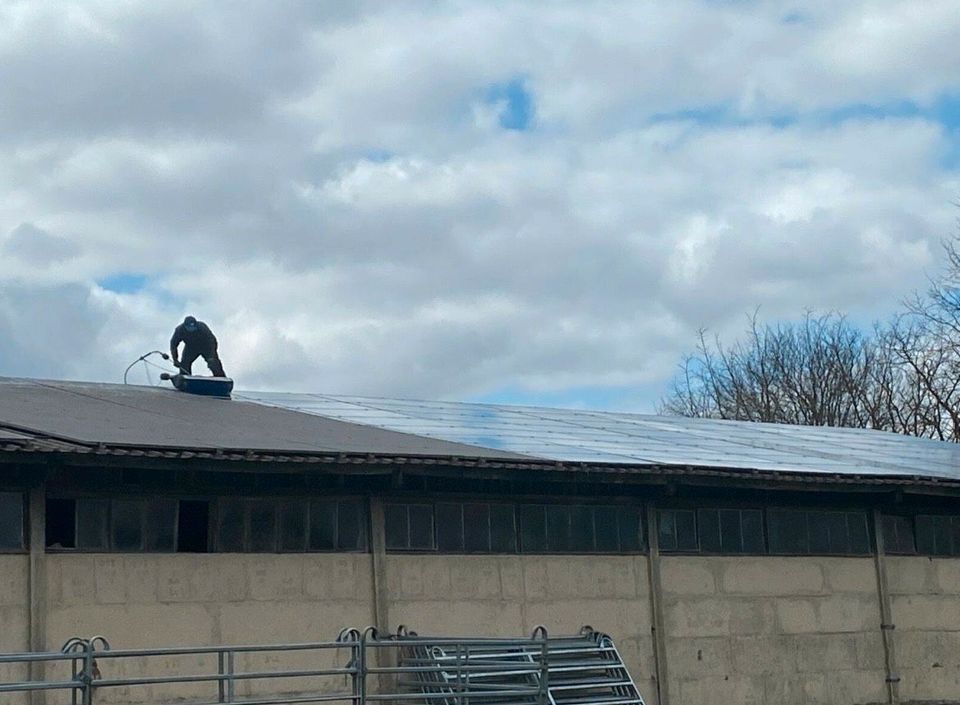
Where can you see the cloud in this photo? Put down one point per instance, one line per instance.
(462, 200)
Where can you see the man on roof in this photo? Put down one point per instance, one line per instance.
(198, 341)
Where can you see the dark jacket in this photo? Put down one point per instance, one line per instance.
(202, 339)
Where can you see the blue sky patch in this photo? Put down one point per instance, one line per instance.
(518, 111)
(124, 282)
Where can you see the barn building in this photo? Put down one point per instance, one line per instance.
(731, 562)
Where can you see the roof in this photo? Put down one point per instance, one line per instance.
(124, 417)
(152, 417)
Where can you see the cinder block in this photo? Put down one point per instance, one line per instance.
(771, 576)
(686, 576)
(834, 613)
(919, 649)
(947, 571)
(825, 652)
(331, 576)
(850, 575)
(274, 622)
(185, 579)
(763, 655)
(110, 580)
(706, 616)
(930, 612)
(934, 684)
(511, 577)
(910, 575)
(14, 572)
(470, 577)
(619, 618)
(140, 577)
(453, 618)
(133, 626)
(276, 578)
(870, 655)
(13, 628)
(535, 578)
(847, 613)
(78, 583)
(692, 658)
(743, 690)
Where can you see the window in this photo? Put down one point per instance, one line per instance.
(267, 526)
(476, 528)
(817, 532)
(11, 521)
(938, 535)
(481, 527)
(409, 527)
(898, 535)
(677, 529)
(730, 530)
(577, 528)
(123, 525)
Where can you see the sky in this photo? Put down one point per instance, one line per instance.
(496, 201)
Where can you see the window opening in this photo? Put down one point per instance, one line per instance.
(193, 526)
(11, 521)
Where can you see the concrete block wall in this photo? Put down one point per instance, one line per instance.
(770, 629)
(14, 617)
(925, 602)
(510, 595)
(200, 600)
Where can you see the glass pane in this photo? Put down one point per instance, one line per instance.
(397, 527)
(476, 528)
(558, 528)
(667, 525)
(127, 525)
(752, 522)
(421, 525)
(925, 536)
(941, 535)
(533, 529)
(898, 535)
(788, 531)
(293, 526)
(351, 531)
(581, 529)
(263, 526)
(450, 527)
(323, 525)
(230, 526)
(819, 529)
(731, 533)
(631, 530)
(955, 525)
(503, 529)
(708, 526)
(11, 520)
(160, 527)
(608, 536)
(686, 531)
(858, 538)
(92, 516)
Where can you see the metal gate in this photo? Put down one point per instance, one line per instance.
(356, 668)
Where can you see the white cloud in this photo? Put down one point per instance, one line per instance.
(330, 187)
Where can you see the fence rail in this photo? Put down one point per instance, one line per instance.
(357, 668)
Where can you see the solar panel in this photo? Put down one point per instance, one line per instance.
(626, 438)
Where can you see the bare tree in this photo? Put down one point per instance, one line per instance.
(822, 371)
(903, 376)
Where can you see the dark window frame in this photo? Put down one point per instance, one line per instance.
(812, 523)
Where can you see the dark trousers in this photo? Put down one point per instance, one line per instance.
(209, 356)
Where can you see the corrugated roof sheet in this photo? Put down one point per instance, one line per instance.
(641, 439)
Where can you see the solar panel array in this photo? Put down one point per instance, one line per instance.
(626, 438)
